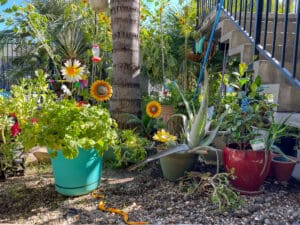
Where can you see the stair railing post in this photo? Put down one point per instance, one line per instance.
(257, 30)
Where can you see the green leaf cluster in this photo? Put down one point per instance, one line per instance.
(131, 149)
(25, 99)
(258, 112)
(65, 126)
(53, 31)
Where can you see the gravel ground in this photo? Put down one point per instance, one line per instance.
(145, 195)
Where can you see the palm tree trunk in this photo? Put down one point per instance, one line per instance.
(125, 16)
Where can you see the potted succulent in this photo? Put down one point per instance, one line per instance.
(196, 127)
(76, 137)
(175, 165)
(248, 152)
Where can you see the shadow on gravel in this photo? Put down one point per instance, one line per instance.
(24, 198)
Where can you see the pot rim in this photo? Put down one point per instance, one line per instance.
(291, 161)
(244, 150)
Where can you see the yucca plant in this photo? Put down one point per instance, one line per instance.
(196, 128)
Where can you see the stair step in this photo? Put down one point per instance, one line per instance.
(287, 96)
(279, 28)
(224, 27)
(209, 20)
(280, 17)
(235, 38)
(290, 38)
(293, 121)
(227, 25)
(270, 72)
(289, 51)
(245, 51)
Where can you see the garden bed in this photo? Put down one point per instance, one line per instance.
(145, 195)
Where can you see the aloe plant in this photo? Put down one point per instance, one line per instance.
(196, 128)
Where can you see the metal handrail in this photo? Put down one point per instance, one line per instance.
(272, 26)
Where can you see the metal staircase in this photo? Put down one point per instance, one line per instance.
(265, 30)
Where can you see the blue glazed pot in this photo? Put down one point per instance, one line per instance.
(77, 176)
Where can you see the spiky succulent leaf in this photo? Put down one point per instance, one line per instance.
(212, 134)
(198, 126)
(170, 151)
(186, 103)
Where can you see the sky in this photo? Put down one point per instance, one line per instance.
(19, 2)
(7, 5)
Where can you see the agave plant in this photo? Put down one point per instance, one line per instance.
(196, 128)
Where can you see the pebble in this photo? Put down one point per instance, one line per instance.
(161, 203)
(268, 199)
(267, 222)
(159, 211)
(254, 208)
(296, 214)
(259, 200)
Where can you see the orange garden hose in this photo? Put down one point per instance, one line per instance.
(102, 207)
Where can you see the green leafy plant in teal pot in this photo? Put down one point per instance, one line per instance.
(76, 137)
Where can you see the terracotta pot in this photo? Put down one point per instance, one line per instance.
(296, 172)
(271, 172)
(99, 5)
(166, 112)
(248, 166)
(282, 168)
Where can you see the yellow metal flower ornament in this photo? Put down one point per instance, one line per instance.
(101, 90)
(164, 136)
(73, 70)
(153, 109)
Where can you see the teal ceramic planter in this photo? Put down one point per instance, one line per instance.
(77, 176)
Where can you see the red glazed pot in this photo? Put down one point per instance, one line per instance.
(248, 165)
(282, 168)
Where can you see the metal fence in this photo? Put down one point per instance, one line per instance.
(272, 26)
(10, 53)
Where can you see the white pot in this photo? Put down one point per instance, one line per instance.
(99, 5)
